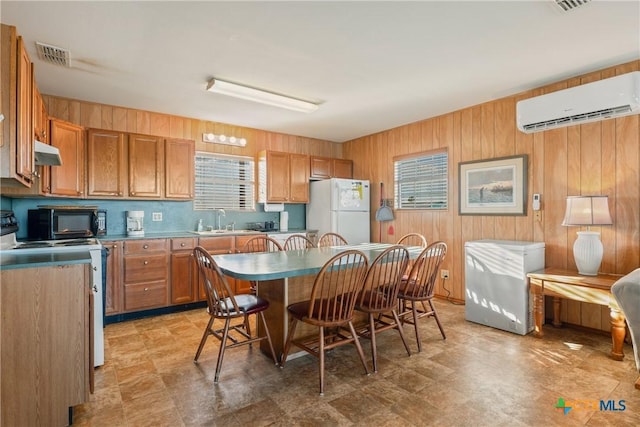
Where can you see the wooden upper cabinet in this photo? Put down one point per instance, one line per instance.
(277, 177)
(68, 179)
(40, 117)
(106, 163)
(298, 178)
(342, 168)
(283, 177)
(16, 130)
(146, 166)
(320, 167)
(325, 168)
(25, 165)
(179, 168)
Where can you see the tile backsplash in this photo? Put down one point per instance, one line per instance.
(176, 216)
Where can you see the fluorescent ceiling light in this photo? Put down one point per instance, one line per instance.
(257, 95)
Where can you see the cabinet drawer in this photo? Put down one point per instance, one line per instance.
(183, 243)
(142, 246)
(145, 267)
(218, 244)
(145, 295)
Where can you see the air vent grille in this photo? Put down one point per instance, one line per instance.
(576, 119)
(567, 5)
(54, 55)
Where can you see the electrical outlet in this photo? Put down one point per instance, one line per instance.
(156, 216)
(444, 274)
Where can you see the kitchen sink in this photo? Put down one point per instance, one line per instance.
(216, 232)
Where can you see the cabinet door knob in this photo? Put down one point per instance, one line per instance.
(146, 289)
(114, 246)
(146, 262)
(182, 244)
(145, 247)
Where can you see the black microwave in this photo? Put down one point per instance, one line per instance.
(66, 222)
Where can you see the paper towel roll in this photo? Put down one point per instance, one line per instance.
(284, 221)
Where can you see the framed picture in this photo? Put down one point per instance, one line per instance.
(493, 187)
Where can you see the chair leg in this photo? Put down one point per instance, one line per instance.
(292, 330)
(415, 325)
(266, 331)
(435, 314)
(372, 335)
(356, 341)
(207, 331)
(223, 345)
(321, 356)
(247, 327)
(404, 341)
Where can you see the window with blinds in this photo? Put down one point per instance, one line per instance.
(421, 181)
(224, 182)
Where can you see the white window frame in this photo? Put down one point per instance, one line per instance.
(216, 187)
(421, 180)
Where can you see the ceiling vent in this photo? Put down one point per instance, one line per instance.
(54, 55)
(567, 5)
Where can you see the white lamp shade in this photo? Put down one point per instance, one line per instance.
(587, 210)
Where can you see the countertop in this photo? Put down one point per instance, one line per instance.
(9, 261)
(183, 234)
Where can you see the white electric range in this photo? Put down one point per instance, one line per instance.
(9, 244)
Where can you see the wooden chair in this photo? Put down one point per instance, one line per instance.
(331, 239)
(413, 239)
(297, 242)
(380, 296)
(419, 287)
(330, 307)
(259, 244)
(223, 304)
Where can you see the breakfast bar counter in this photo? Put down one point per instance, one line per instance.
(287, 277)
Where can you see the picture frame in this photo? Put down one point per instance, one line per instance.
(493, 187)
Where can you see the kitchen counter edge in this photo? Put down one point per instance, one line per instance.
(183, 234)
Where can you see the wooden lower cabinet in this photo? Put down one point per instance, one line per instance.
(45, 343)
(146, 274)
(217, 246)
(113, 288)
(242, 286)
(184, 286)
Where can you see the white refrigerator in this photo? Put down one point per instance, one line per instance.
(340, 206)
(496, 285)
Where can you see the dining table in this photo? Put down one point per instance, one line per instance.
(286, 277)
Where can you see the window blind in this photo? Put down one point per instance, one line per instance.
(421, 181)
(224, 182)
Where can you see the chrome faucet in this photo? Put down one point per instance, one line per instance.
(220, 213)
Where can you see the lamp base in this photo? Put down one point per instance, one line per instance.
(587, 252)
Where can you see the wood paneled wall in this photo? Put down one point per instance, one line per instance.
(597, 158)
(100, 116)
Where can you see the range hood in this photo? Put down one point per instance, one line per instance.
(46, 155)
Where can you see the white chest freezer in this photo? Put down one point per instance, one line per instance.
(496, 286)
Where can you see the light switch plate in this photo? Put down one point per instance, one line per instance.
(156, 216)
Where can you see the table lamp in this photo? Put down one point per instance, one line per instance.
(587, 249)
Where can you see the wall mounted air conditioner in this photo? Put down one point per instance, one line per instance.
(604, 99)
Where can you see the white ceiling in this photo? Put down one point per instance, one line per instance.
(372, 65)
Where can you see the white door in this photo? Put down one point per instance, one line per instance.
(353, 226)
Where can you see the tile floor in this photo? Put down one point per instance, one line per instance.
(478, 376)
